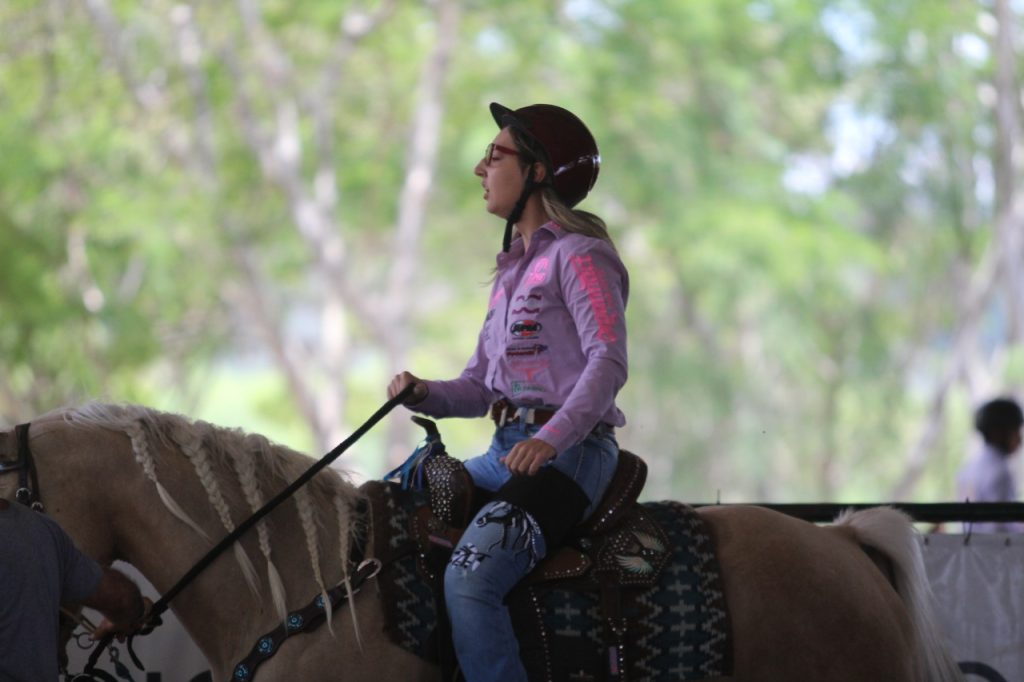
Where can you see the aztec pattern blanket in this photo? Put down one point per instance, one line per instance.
(410, 603)
(676, 627)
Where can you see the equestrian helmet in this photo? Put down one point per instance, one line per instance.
(573, 160)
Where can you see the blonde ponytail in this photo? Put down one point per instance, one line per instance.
(573, 219)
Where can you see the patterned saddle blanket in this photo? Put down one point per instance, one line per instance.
(642, 601)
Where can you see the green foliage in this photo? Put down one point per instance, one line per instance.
(801, 190)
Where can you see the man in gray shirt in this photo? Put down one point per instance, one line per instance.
(40, 569)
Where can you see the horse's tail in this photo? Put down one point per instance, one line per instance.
(892, 533)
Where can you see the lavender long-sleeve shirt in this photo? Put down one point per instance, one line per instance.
(554, 337)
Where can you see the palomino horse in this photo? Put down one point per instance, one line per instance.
(157, 490)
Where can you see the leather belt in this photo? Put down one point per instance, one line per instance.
(504, 412)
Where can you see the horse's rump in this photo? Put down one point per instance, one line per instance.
(809, 603)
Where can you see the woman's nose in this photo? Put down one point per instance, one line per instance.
(479, 168)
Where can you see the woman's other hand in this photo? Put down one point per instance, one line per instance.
(528, 456)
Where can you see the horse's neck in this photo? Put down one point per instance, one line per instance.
(221, 611)
(128, 520)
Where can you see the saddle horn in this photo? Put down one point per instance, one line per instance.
(428, 425)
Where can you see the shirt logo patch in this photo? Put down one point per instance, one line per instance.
(525, 351)
(531, 368)
(525, 329)
(519, 387)
(539, 272)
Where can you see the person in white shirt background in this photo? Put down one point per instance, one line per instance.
(989, 475)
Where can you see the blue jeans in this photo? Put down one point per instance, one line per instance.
(502, 544)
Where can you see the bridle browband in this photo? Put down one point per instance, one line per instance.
(28, 481)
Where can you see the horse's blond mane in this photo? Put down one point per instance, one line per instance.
(259, 465)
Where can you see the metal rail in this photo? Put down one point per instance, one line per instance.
(921, 512)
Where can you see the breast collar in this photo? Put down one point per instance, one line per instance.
(28, 482)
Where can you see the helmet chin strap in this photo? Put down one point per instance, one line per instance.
(517, 210)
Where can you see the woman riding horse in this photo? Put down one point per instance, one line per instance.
(549, 361)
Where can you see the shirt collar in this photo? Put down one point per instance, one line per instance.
(993, 451)
(515, 249)
(554, 228)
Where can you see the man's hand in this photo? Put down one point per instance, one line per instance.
(526, 457)
(107, 627)
(402, 380)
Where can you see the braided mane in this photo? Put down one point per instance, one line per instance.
(259, 466)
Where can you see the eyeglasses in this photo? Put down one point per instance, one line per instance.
(493, 147)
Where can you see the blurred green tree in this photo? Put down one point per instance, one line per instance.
(257, 212)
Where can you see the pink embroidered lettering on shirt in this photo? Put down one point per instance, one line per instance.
(539, 272)
(593, 282)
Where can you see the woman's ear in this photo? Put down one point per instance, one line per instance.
(540, 173)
